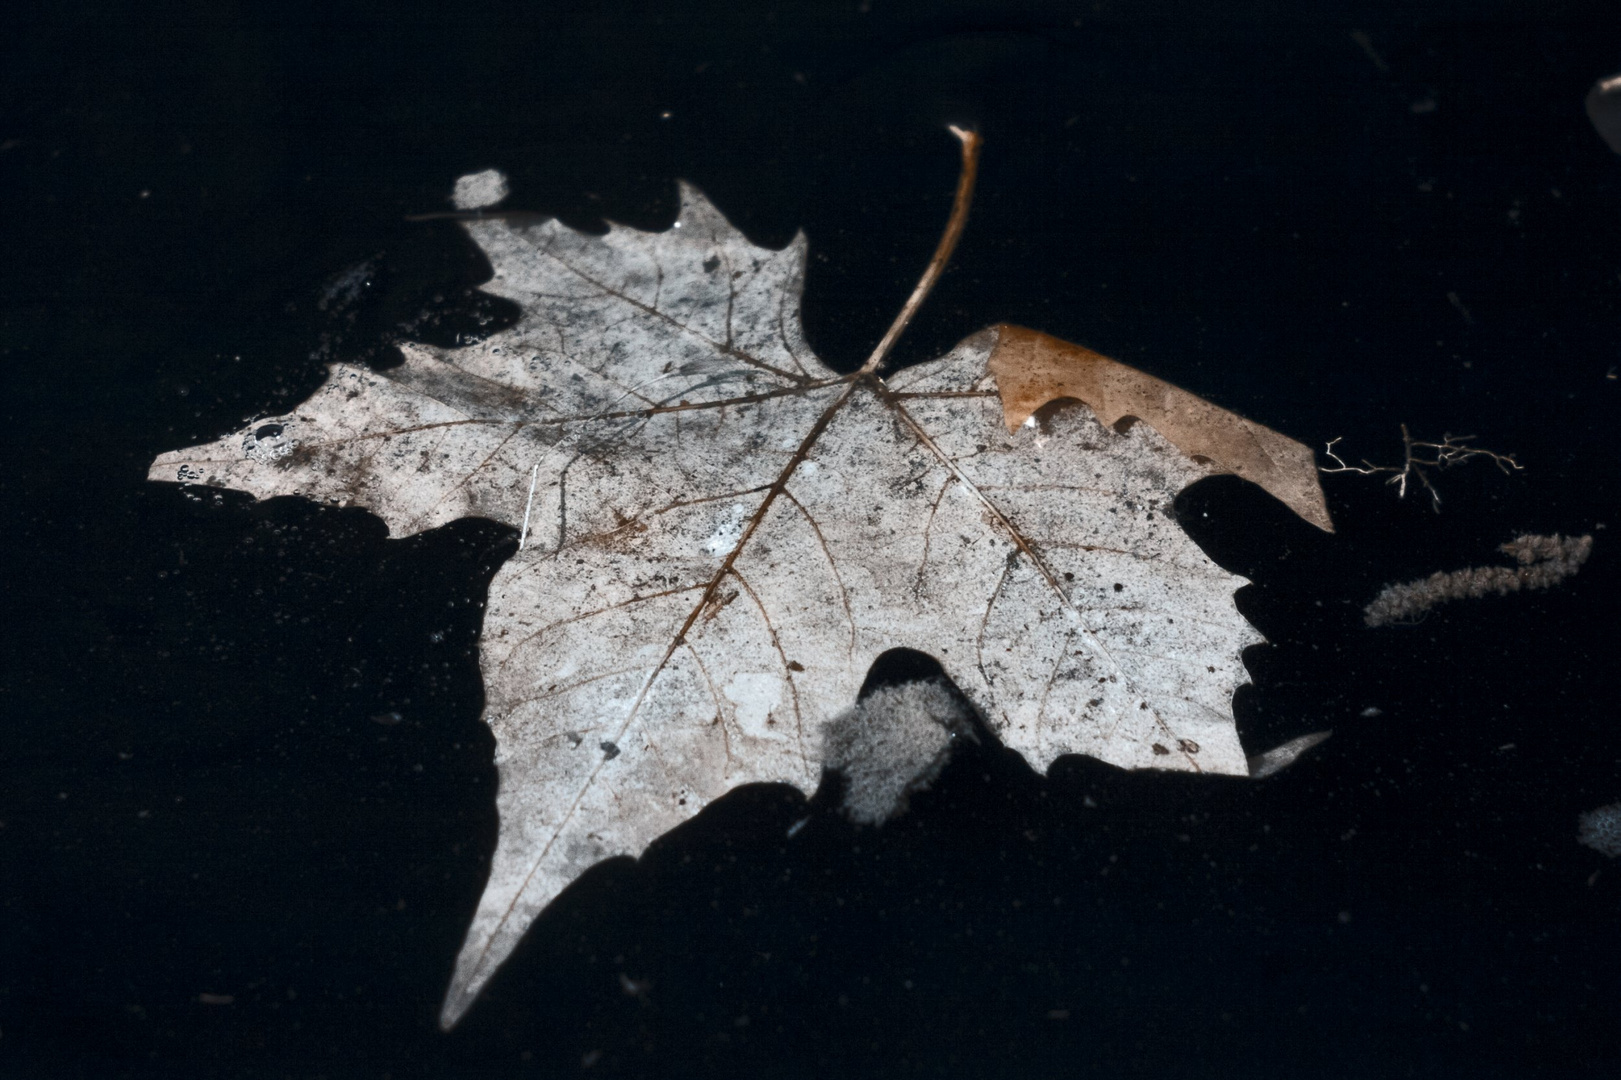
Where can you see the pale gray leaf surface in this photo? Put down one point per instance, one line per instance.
(722, 534)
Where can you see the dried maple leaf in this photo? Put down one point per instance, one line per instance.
(720, 534)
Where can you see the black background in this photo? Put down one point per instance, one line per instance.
(1247, 199)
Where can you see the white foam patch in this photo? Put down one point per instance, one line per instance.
(1601, 829)
(480, 189)
(891, 744)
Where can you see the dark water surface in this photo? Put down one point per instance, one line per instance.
(215, 861)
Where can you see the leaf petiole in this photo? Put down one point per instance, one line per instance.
(942, 254)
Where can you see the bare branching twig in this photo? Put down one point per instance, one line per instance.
(1418, 457)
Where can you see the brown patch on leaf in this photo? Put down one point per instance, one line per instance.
(620, 539)
(301, 458)
(1032, 369)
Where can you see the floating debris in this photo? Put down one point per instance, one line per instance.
(1544, 561)
(1281, 757)
(1601, 829)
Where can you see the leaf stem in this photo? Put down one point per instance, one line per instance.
(942, 254)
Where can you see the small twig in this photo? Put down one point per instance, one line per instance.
(534, 475)
(1419, 456)
(942, 254)
(518, 217)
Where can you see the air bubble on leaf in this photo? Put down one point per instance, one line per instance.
(267, 443)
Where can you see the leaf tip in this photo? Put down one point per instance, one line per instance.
(1032, 369)
(698, 214)
(463, 991)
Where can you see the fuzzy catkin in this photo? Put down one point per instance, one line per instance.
(1544, 562)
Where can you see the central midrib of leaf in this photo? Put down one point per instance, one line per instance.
(777, 488)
